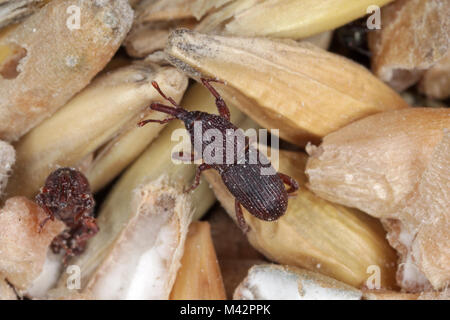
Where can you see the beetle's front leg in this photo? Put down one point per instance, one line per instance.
(49, 217)
(293, 185)
(40, 201)
(144, 122)
(220, 103)
(240, 217)
(44, 222)
(200, 169)
(90, 225)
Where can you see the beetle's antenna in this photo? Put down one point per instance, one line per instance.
(174, 112)
(166, 109)
(156, 86)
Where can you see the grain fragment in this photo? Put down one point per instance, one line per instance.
(7, 159)
(283, 18)
(435, 82)
(304, 91)
(6, 291)
(55, 62)
(275, 282)
(23, 249)
(414, 36)
(395, 166)
(13, 11)
(199, 277)
(315, 234)
(96, 131)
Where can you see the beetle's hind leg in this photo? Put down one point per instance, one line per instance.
(220, 103)
(240, 217)
(200, 169)
(293, 185)
(60, 243)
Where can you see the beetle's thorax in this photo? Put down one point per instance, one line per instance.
(189, 118)
(210, 133)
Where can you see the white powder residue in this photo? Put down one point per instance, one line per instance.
(71, 61)
(266, 282)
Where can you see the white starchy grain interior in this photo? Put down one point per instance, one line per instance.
(7, 159)
(145, 259)
(49, 276)
(271, 282)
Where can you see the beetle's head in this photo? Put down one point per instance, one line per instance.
(65, 194)
(189, 118)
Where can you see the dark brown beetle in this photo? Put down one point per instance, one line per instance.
(66, 196)
(352, 40)
(263, 195)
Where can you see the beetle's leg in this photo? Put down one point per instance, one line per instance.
(61, 244)
(44, 222)
(200, 169)
(91, 224)
(68, 253)
(221, 105)
(86, 230)
(40, 201)
(50, 216)
(156, 86)
(293, 185)
(180, 156)
(240, 217)
(164, 109)
(144, 122)
(86, 221)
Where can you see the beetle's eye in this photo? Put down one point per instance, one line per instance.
(188, 123)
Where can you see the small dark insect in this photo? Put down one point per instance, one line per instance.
(66, 196)
(353, 36)
(263, 195)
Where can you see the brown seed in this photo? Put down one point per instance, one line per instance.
(415, 35)
(32, 95)
(199, 276)
(304, 91)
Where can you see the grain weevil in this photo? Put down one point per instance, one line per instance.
(66, 196)
(263, 195)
